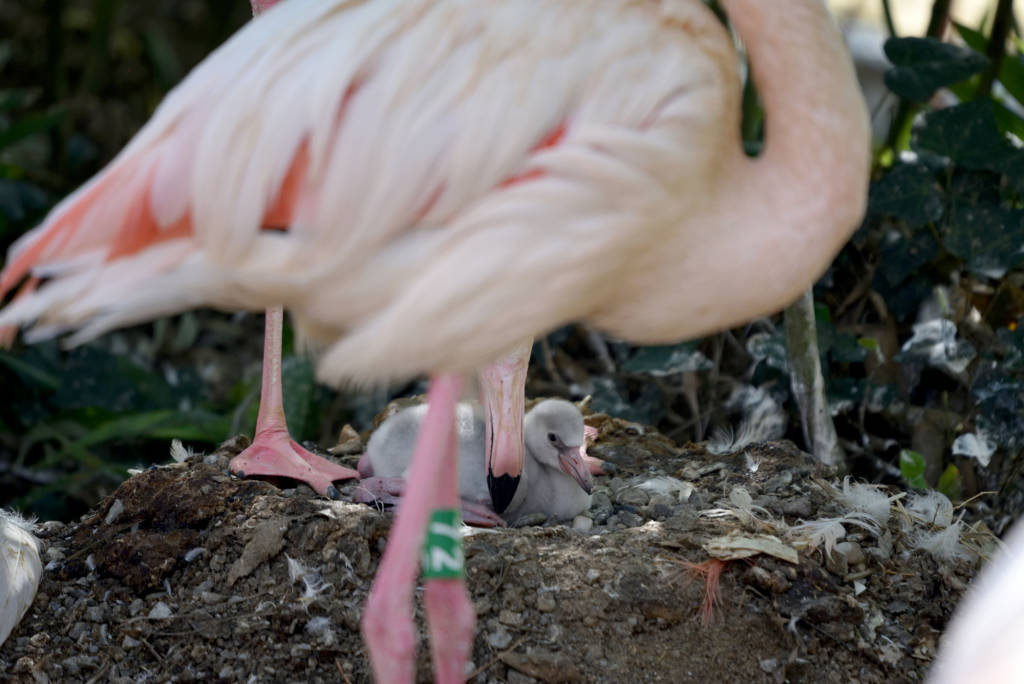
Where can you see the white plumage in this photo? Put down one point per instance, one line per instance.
(586, 151)
(983, 641)
(20, 570)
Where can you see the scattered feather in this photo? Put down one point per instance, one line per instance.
(667, 486)
(752, 463)
(866, 498)
(179, 452)
(942, 544)
(116, 509)
(20, 569)
(740, 506)
(194, 553)
(931, 508)
(827, 532)
(763, 421)
(711, 572)
(313, 583)
(319, 625)
(974, 445)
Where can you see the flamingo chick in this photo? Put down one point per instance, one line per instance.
(455, 177)
(556, 481)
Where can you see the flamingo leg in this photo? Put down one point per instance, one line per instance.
(273, 453)
(387, 623)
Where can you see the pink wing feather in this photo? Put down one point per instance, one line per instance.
(414, 151)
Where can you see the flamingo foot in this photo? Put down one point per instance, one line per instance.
(273, 453)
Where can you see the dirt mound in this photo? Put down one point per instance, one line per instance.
(185, 573)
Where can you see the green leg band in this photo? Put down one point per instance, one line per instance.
(442, 550)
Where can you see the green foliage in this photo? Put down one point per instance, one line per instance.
(950, 483)
(84, 416)
(909, 192)
(667, 360)
(923, 65)
(912, 467)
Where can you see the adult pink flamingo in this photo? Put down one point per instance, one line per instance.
(457, 176)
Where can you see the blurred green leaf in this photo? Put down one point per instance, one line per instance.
(667, 360)
(1008, 120)
(903, 253)
(13, 99)
(199, 426)
(299, 395)
(29, 125)
(967, 134)
(19, 201)
(912, 468)
(162, 55)
(1011, 71)
(869, 343)
(846, 348)
(908, 192)
(999, 403)
(987, 237)
(31, 374)
(950, 483)
(1011, 343)
(612, 398)
(923, 65)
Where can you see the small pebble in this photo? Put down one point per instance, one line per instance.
(633, 496)
(160, 611)
(545, 602)
(510, 618)
(582, 523)
(854, 554)
(499, 639)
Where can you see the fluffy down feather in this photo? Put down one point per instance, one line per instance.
(20, 570)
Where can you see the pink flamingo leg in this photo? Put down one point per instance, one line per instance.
(273, 453)
(387, 623)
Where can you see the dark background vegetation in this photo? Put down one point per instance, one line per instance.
(919, 318)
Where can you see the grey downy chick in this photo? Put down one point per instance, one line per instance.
(555, 481)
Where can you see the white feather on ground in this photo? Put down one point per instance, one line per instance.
(20, 569)
(866, 498)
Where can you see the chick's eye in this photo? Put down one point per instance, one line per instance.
(552, 438)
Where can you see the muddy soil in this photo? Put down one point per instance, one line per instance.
(188, 574)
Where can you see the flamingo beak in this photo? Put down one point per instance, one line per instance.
(570, 460)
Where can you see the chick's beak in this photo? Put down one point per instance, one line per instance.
(570, 459)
